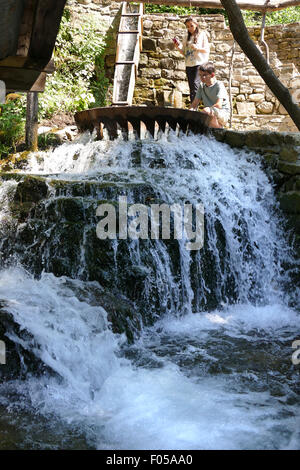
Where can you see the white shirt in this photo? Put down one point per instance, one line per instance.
(192, 56)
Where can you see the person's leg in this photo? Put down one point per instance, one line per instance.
(193, 80)
(213, 118)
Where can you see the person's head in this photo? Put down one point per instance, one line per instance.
(192, 28)
(207, 72)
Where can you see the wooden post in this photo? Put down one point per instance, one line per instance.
(230, 83)
(31, 130)
(2, 92)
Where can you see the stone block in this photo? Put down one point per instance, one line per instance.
(255, 80)
(245, 89)
(246, 108)
(256, 97)
(223, 47)
(266, 107)
(166, 44)
(289, 154)
(150, 73)
(149, 44)
(290, 202)
(235, 138)
(167, 63)
(183, 87)
(289, 168)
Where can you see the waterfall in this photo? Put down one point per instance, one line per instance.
(190, 347)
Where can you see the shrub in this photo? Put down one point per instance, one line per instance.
(79, 81)
(12, 125)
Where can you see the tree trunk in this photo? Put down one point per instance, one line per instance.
(240, 34)
(31, 130)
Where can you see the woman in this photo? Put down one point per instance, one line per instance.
(195, 49)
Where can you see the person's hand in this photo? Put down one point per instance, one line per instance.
(207, 110)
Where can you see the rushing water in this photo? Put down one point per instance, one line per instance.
(209, 363)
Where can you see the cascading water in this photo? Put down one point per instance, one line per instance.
(142, 344)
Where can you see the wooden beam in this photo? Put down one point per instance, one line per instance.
(243, 4)
(45, 28)
(18, 79)
(31, 128)
(25, 74)
(19, 62)
(10, 20)
(26, 27)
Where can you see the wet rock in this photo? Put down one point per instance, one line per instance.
(19, 360)
(289, 154)
(290, 202)
(289, 168)
(235, 138)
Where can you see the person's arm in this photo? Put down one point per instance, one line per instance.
(218, 103)
(179, 49)
(195, 103)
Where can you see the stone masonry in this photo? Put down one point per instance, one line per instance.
(161, 78)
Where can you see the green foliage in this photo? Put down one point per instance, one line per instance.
(287, 15)
(12, 125)
(152, 8)
(251, 18)
(79, 81)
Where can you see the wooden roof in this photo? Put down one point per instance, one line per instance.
(258, 5)
(28, 30)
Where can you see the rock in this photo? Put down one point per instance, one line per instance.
(31, 189)
(223, 47)
(256, 139)
(151, 73)
(289, 154)
(149, 44)
(167, 64)
(296, 95)
(246, 108)
(245, 89)
(147, 24)
(255, 80)
(166, 44)
(289, 168)
(256, 97)
(290, 202)
(265, 107)
(235, 138)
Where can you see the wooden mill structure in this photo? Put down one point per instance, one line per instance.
(28, 30)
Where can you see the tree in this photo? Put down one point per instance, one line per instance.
(240, 34)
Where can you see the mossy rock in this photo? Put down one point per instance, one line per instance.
(19, 361)
(16, 161)
(235, 138)
(290, 202)
(31, 189)
(289, 168)
(289, 154)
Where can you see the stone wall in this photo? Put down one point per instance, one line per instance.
(254, 106)
(161, 75)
